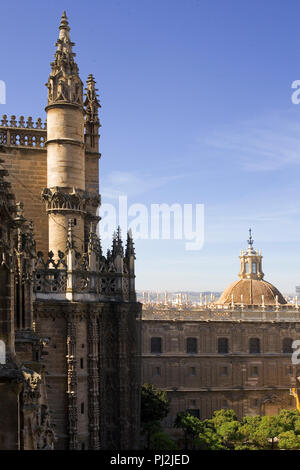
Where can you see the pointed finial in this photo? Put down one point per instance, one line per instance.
(130, 251)
(64, 24)
(91, 102)
(250, 241)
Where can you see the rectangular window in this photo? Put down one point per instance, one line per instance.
(254, 345)
(254, 403)
(81, 363)
(192, 370)
(191, 346)
(156, 347)
(223, 347)
(224, 371)
(157, 370)
(254, 371)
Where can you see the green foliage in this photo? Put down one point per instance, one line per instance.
(154, 408)
(225, 432)
(154, 404)
(288, 440)
(248, 438)
(222, 432)
(161, 441)
(191, 427)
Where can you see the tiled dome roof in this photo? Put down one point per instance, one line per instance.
(252, 291)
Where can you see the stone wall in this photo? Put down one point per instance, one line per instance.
(250, 383)
(93, 372)
(28, 176)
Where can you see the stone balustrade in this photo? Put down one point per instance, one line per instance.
(85, 279)
(284, 313)
(23, 133)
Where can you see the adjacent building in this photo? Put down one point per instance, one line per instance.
(234, 353)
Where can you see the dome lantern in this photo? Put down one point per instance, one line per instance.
(251, 262)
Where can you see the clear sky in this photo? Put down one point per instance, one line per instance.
(196, 108)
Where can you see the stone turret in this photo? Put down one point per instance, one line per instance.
(92, 123)
(65, 193)
(92, 155)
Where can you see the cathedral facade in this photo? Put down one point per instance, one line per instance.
(77, 306)
(235, 353)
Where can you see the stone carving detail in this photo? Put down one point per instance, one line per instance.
(72, 383)
(23, 134)
(91, 102)
(88, 273)
(39, 422)
(93, 381)
(92, 122)
(59, 200)
(64, 84)
(17, 255)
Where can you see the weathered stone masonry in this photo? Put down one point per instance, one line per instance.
(83, 303)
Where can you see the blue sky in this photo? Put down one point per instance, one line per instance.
(196, 108)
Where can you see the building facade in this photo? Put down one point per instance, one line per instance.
(234, 353)
(24, 411)
(83, 302)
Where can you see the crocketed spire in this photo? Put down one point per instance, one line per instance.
(64, 84)
(92, 123)
(130, 251)
(91, 102)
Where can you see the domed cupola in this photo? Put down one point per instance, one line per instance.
(251, 288)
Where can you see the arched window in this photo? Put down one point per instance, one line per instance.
(254, 267)
(2, 352)
(191, 346)
(223, 347)
(254, 345)
(156, 345)
(287, 346)
(246, 267)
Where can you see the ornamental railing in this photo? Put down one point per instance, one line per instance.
(54, 278)
(23, 133)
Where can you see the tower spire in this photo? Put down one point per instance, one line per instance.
(64, 24)
(65, 196)
(64, 84)
(92, 123)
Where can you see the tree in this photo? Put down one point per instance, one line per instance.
(224, 430)
(154, 408)
(161, 441)
(267, 432)
(288, 440)
(248, 430)
(289, 420)
(191, 427)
